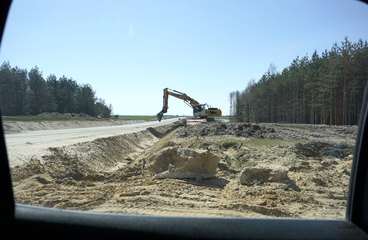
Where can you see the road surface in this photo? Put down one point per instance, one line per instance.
(22, 146)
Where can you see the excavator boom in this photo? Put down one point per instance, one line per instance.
(190, 101)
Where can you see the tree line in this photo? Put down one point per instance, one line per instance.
(323, 89)
(28, 93)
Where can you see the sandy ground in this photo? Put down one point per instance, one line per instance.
(109, 174)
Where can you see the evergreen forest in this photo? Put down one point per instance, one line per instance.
(28, 93)
(326, 88)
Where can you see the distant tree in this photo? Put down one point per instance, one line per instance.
(40, 97)
(239, 107)
(7, 90)
(52, 86)
(232, 99)
(102, 110)
(66, 95)
(86, 100)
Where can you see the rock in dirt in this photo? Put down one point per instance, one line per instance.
(317, 149)
(182, 163)
(258, 175)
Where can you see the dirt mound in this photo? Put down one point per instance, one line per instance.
(314, 132)
(63, 165)
(318, 149)
(184, 163)
(33, 167)
(218, 129)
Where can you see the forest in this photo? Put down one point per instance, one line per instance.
(28, 93)
(326, 88)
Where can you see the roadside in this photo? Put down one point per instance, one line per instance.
(11, 127)
(23, 146)
(54, 121)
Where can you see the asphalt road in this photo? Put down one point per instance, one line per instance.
(22, 146)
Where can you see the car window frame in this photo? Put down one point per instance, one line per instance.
(33, 221)
(357, 205)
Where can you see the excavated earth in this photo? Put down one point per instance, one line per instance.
(254, 170)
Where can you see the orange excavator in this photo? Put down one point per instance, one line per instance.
(199, 110)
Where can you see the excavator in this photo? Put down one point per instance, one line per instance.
(202, 111)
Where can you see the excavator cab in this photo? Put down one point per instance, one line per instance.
(199, 110)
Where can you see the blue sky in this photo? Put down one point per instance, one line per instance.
(130, 50)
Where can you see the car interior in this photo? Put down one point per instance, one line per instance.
(21, 220)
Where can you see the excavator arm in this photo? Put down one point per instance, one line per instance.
(188, 100)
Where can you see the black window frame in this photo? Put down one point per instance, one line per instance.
(28, 221)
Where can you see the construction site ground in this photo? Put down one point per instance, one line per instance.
(111, 174)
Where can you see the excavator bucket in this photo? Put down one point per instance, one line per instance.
(161, 113)
(159, 116)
